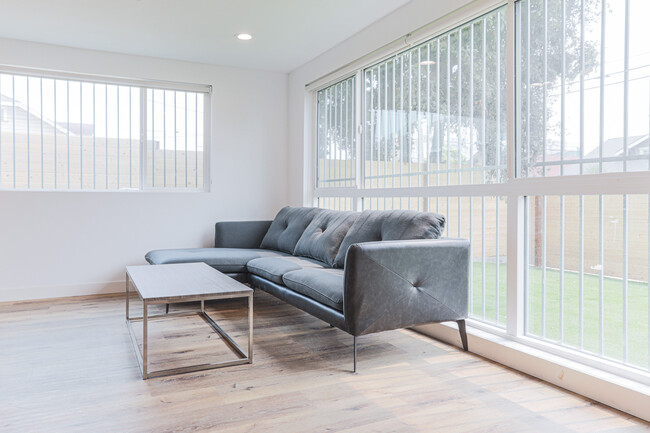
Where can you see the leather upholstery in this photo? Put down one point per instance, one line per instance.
(323, 236)
(240, 234)
(397, 284)
(242, 277)
(273, 268)
(386, 284)
(308, 305)
(226, 260)
(322, 285)
(287, 227)
(373, 226)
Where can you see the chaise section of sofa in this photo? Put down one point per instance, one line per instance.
(361, 272)
(230, 261)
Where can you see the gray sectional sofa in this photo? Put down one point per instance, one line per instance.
(362, 272)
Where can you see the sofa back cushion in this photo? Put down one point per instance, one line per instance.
(287, 227)
(392, 225)
(322, 238)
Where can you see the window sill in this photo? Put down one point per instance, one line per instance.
(618, 392)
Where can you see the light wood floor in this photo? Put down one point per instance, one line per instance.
(68, 365)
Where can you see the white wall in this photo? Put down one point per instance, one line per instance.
(404, 20)
(70, 243)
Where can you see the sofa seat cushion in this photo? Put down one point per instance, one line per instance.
(394, 225)
(273, 268)
(227, 260)
(287, 227)
(323, 236)
(321, 285)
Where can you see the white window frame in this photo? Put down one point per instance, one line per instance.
(143, 86)
(515, 189)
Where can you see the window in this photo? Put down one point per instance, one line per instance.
(550, 156)
(435, 114)
(59, 133)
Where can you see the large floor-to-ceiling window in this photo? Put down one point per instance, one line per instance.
(527, 126)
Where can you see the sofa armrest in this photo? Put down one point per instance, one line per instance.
(240, 234)
(397, 284)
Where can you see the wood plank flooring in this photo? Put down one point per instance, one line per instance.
(67, 365)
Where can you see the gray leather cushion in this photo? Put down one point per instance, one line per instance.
(323, 236)
(287, 227)
(391, 225)
(322, 285)
(226, 260)
(273, 268)
(240, 234)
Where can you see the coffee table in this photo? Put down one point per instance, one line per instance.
(184, 282)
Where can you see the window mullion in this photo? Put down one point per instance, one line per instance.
(516, 203)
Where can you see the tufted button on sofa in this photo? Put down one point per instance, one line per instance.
(362, 272)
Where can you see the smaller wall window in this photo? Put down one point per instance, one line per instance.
(62, 134)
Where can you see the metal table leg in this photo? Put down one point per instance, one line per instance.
(143, 355)
(145, 337)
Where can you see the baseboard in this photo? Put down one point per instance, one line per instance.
(620, 393)
(60, 291)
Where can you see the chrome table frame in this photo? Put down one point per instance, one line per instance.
(244, 358)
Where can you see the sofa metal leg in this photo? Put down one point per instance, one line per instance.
(167, 309)
(355, 353)
(463, 333)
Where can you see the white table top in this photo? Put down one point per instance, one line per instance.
(183, 280)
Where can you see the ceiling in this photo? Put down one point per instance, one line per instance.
(287, 33)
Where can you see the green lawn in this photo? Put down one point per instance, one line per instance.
(637, 334)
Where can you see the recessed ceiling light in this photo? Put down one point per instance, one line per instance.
(244, 36)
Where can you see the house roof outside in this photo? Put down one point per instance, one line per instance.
(8, 105)
(615, 147)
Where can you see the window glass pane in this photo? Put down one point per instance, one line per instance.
(436, 114)
(174, 147)
(336, 136)
(583, 86)
(587, 274)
